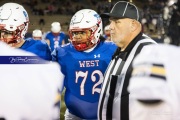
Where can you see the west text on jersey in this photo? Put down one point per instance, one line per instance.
(89, 63)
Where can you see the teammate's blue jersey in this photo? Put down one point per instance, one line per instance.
(83, 77)
(38, 47)
(55, 41)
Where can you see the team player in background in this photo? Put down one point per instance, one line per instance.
(107, 33)
(55, 37)
(154, 85)
(83, 62)
(37, 34)
(14, 22)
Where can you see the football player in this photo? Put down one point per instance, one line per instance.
(37, 34)
(84, 61)
(29, 91)
(55, 37)
(14, 22)
(154, 85)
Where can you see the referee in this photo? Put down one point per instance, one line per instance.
(126, 33)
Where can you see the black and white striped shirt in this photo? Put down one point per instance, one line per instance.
(114, 97)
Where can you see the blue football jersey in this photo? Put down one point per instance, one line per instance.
(84, 73)
(38, 47)
(55, 41)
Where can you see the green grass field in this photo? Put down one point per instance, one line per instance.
(63, 107)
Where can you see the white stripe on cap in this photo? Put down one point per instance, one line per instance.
(113, 7)
(125, 9)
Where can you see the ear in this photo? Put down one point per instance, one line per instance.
(134, 25)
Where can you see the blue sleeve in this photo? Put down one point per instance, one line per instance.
(45, 51)
(48, 53)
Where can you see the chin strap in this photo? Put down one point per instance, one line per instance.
(13, 41)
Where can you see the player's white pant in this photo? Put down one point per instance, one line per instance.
(69, 116)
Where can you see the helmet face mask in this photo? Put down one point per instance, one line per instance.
(86, 22)
(7, 36)
(81, 39)
(13, 18)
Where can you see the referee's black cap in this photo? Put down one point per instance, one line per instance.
(123, 9)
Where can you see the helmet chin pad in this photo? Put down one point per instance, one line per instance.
(80, 47)
(83, 45)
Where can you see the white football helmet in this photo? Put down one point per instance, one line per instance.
(84, 20)
(37, 33)
(13, 19)
(107, 27)
(55, 27)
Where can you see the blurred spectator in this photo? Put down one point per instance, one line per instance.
(174, 26)
(41, 22)
(150, 8)
(166, 16)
